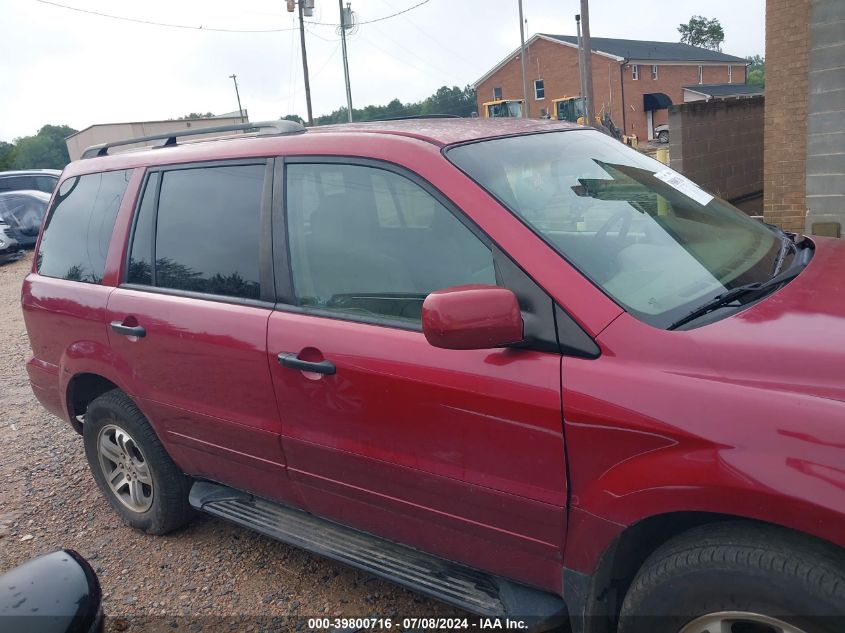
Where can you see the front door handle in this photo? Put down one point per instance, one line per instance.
(287, 359)
(128, 330)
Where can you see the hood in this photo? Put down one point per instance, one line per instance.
(794, 339)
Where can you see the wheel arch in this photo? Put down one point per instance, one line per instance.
(81, 390)
(599, 595)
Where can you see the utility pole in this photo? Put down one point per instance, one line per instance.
(522, 60)
(581, 90)
(305, 64)
(343, 28)
(589, 105)
(238, 95)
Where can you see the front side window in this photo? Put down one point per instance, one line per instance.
(204, 234)
(16, 183)
(539, 89)
(78, 231)
(370, 243)
(651, 239)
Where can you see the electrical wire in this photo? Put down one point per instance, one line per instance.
(381, 19)
(152, 23)
(210, 28)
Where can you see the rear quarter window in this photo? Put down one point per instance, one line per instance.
(79, 226)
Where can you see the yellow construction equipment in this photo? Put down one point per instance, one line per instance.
(502, 108)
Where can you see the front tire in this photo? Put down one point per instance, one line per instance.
(131, 467)
(738, 577)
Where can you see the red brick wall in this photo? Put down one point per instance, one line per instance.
(557, 65)
(784, 149)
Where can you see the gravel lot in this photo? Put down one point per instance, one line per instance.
(209, 576)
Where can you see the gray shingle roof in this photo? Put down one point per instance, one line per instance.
(651, 51)
(726, 90)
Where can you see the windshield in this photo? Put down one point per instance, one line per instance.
(651, 239)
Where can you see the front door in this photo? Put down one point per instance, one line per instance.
(455, 452)
(196, 293)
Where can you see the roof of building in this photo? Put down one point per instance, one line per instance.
(726, 90)
(227, 115)
(650, 51)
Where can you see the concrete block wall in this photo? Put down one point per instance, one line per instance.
(719, 145)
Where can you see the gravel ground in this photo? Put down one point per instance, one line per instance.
(208, 576)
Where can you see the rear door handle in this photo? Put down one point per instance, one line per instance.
(128, 330)
(287, 359)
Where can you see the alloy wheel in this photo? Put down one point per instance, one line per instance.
(125, 469)
(738, 622)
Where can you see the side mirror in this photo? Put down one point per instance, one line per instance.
(472, 317)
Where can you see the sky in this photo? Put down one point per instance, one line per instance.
(60, 66)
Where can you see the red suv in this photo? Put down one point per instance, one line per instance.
(514, 365)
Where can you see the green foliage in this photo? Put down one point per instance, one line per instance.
(756, 72)
(45, 150)
(454, 100)
(196, 115)
(7, 155)
(700, 31)
(293, 117)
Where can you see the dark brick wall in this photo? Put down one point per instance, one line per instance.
(719, 145)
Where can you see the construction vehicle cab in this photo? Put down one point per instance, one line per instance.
(568, 109)
(503, 108)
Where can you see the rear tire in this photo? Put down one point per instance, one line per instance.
(131, 467)
(663, 136)
(739, 577)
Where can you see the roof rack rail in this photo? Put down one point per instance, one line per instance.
(407, 117)
(273, 127)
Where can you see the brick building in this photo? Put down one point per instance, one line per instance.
(635, 81)
(804, 147)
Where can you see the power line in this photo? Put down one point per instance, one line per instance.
(152, 23)
(386, 17)
(210, 28)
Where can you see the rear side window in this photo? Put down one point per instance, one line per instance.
(205, 228)
(16, 183)
(78, 232)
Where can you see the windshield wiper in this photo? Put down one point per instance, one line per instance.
(787, 245)
(735, 294)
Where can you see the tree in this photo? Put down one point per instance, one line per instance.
(700, 31)
(294, 117)
(45, 150)
(196, 115)
(455, 101)
(7, 155)
(756, 72)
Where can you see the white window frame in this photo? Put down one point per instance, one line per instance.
(700, 75)
(635, 72)
(499, 96)
(654, 74)
(730, 74)
(543, 88)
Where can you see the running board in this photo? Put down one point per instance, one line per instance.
(475, 591)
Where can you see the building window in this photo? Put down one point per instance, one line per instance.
(539, 89)
(730, 74)
(497, 94)
(701, 74)
(654, 72)
(635, 72)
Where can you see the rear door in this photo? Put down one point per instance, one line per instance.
(198, 290)
(455, 452)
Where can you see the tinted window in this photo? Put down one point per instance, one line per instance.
(140, 270)
(78, 232)
(16, 183)
(45, 183)
(207, 230)
(370, 242)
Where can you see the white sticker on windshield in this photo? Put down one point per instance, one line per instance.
(684, 185)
